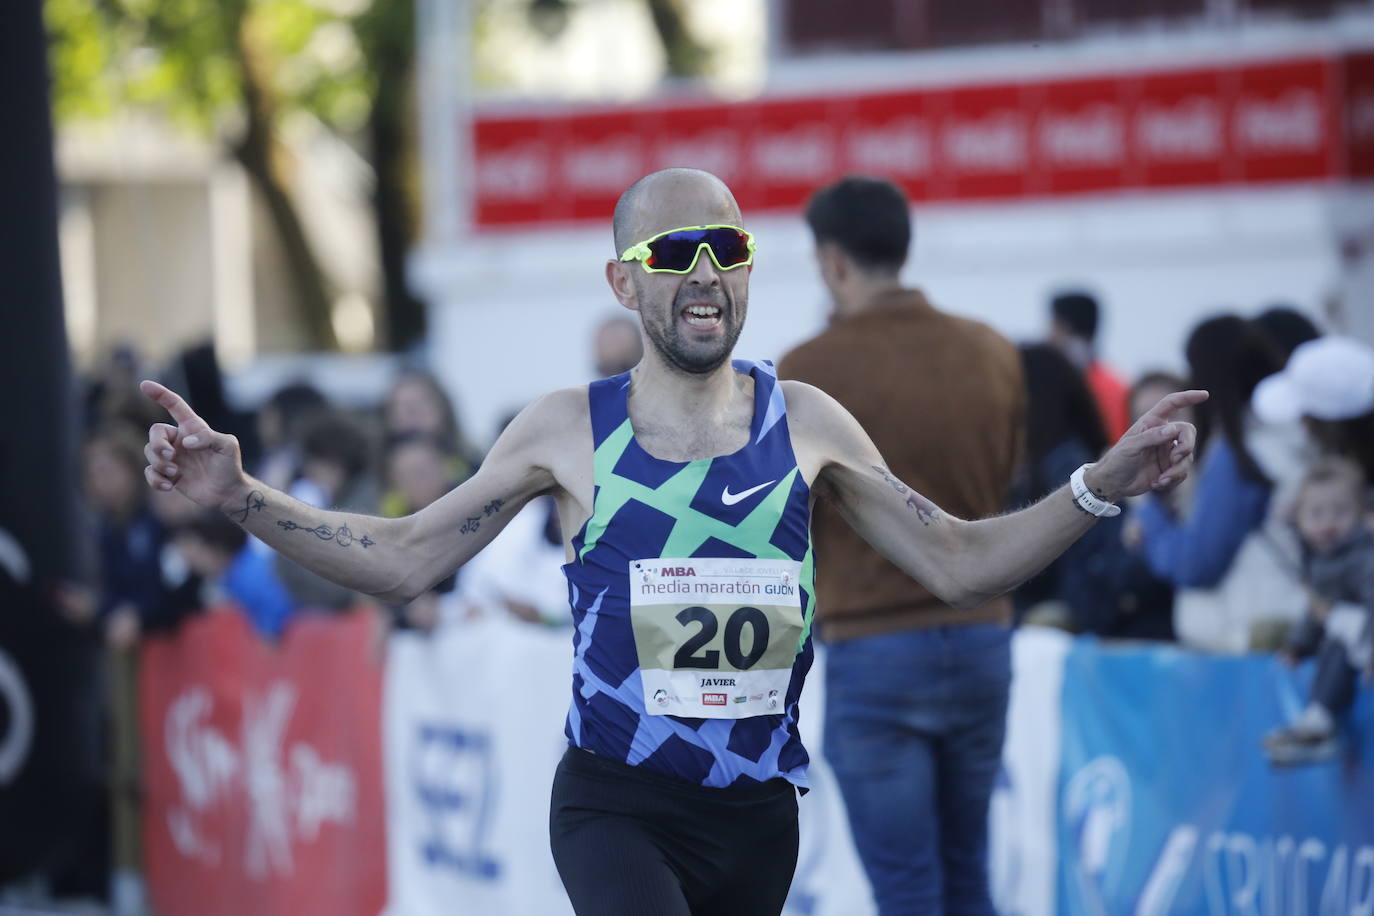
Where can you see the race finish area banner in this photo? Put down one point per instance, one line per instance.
(1168, 805)
(262, 768)
(474, 720)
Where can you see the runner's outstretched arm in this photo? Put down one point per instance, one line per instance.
(966, 563)
(394, 559)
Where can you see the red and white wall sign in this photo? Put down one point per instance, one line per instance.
(262, 767)
(1288, 120)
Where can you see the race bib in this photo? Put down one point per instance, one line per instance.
(716, 637)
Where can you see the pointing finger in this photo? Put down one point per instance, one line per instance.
(1172, 403)
(171, 402)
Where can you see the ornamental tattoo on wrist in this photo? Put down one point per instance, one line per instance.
(253, 503)
(926, 511)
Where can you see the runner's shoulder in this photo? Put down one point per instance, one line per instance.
(810, 409)
(556, 419)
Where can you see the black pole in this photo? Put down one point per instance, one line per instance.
(49, 775)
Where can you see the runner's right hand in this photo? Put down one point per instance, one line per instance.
(202, 464)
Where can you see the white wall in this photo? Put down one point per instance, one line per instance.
(517, 310)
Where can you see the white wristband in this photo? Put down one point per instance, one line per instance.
(1086, 500)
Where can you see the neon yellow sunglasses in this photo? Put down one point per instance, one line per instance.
(676, 251)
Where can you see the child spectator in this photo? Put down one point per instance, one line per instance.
(1339, 627)
(217, 550)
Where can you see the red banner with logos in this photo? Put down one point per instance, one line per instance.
(1243, 124)
(262, 769)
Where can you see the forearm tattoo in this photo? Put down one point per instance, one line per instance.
(474, 522)
(254, 503)
(926, 511)
(343, 535)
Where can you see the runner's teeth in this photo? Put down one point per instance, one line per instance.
(703, 311)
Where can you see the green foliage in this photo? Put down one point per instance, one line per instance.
(186, 59)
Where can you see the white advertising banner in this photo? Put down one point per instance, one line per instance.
(1022, 837)
(473, 726)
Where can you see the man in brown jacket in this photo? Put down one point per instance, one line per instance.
(916, 690)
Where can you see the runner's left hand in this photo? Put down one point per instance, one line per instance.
(1154, 454)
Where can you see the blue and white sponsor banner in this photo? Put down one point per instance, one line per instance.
(473, 725)
(1167, 804)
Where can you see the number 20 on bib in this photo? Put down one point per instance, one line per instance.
(716, 637)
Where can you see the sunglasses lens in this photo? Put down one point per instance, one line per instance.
(731, 246)
(678, 250)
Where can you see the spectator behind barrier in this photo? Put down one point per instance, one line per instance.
(1231, 557)
(521, 571)
(217, 551)
(335, 473)
(1099, 585)
(1287, 328)
(130, 598)
(419, 470)
(199, 367)
(1074, 319)
(112, 395)
(281, 424)
(1063, 431)
(417, 403)
(616, 346)
(1329, 383)
(1338, 568)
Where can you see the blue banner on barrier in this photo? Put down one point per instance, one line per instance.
(1168, 804)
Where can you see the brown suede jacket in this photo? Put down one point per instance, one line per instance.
(944, 399)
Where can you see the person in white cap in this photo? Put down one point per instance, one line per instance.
(1329, 382)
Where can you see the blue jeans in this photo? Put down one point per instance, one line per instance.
(914, 724)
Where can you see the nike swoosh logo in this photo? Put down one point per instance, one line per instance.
(731, 498)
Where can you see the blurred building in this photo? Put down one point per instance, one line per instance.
(165, 243)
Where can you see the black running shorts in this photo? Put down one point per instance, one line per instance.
(629, 842)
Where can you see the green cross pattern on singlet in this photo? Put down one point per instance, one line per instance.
(691, 528)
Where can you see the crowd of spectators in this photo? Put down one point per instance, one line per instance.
(1229, 563)
(1268, 546)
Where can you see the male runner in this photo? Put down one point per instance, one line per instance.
(685, 488)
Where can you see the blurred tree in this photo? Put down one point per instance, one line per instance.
(686, 57)
(229, 68)
(386, 33)
(236, 70)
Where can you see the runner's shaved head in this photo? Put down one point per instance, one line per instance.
(668, 199)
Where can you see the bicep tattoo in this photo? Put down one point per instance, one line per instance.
(474, 522)
(926, 511)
